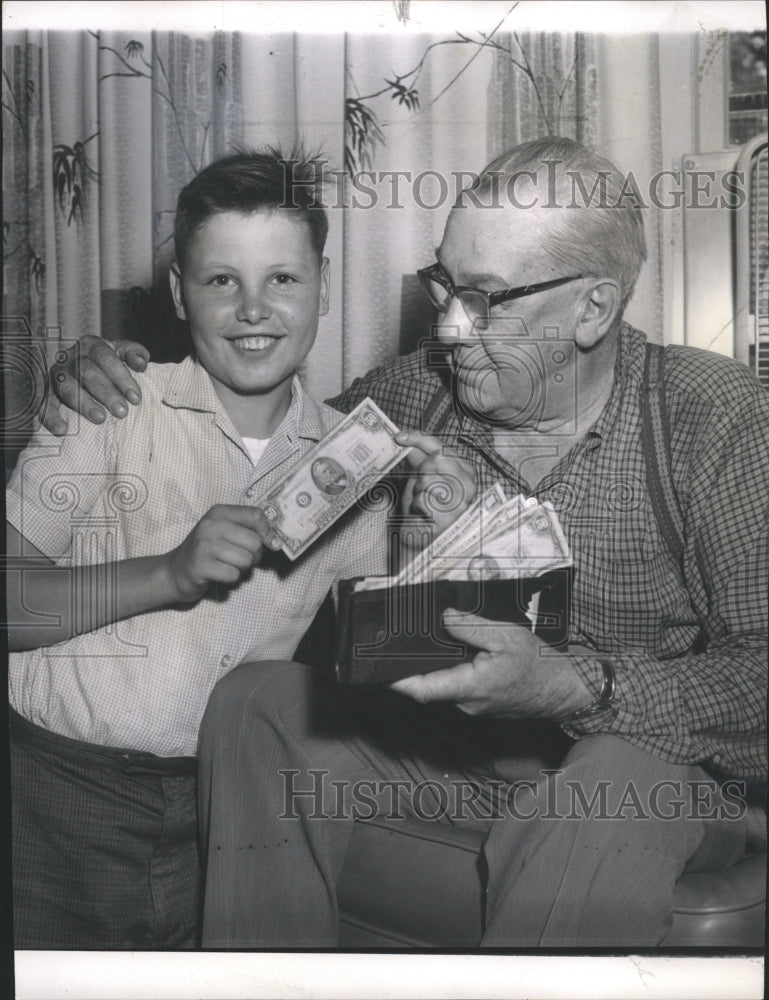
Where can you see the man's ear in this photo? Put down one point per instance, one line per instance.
(325, 286)
(175, 280)
(599, 312)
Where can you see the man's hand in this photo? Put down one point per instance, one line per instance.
(223, 547)
(515, 675)
(95, 372)
(443, 485)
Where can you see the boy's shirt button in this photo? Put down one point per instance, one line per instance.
(226, 660)
(250, 492)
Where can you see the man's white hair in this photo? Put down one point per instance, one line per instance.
(596, 227)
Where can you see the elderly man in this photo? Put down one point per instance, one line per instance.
(599, 774)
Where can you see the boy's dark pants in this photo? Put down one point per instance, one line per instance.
(104, 845)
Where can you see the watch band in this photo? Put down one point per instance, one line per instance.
(605, 698)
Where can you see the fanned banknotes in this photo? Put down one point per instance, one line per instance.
(478, 515)
(530, 544)
(331, 477)
(495, 539)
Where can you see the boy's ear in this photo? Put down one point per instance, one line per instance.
(175, 280)
(325, 286)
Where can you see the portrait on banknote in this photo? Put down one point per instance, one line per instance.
(329, 476)
(483, 568)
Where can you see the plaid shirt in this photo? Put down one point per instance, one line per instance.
(137, 487)
(630, 598)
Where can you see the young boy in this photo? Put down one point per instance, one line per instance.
(145, 572)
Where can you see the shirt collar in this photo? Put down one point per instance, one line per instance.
(628, 376)
(190, 388)
(304, 418)
(475, 431)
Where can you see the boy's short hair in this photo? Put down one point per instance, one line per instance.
(251, 181)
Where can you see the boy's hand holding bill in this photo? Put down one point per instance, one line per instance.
(225, 544)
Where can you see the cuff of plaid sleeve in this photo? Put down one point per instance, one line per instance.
(598, 675)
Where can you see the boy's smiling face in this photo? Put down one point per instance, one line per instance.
(252, 289)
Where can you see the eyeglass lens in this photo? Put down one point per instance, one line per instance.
(473, 302)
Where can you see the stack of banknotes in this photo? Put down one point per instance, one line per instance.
(495, 539)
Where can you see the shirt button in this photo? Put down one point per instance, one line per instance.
(226, 660)
(250, 492)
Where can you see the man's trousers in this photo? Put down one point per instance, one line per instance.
(585, 840)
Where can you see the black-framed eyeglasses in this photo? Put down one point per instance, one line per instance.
(476, 303)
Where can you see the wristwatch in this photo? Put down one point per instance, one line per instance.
(605, 698)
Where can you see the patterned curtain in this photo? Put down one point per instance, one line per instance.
(102, 129)
(101, 132)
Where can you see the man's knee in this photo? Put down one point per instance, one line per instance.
(602, 750)
(265, 687)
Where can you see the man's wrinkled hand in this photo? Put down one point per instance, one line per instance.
(93, 375)
(514, 675)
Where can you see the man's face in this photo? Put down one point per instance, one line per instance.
(504, 373)
(252, 289)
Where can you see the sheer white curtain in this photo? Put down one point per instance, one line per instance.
(415, 169)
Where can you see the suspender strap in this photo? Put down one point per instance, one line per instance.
(655, 431)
